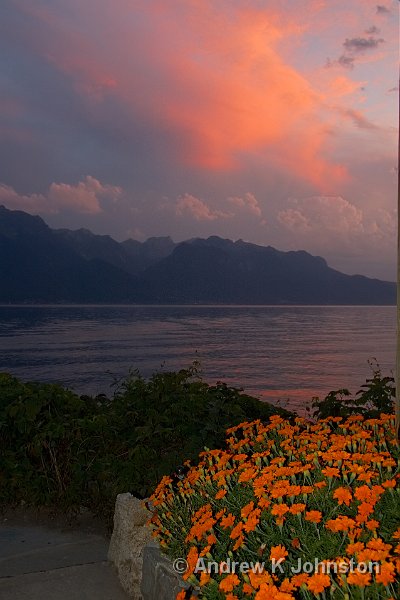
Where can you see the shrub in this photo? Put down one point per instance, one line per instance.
(282, 493)
(65, 451)
(376, 396)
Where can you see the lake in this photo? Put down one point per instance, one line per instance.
(286, 354)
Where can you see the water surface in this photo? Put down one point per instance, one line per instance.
(285, 354)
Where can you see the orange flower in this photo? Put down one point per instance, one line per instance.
(341, 523)
(318, 582)
(366, 476)
(314, 516)
(278, 552)
(220, 513)
(246, 510)
(331, 472)
(364, 510)
(300, 579)
(227, 521)
(204, 578)
(192, 559)
(389, 483)
(247, 589)
(252, 521)
(287, 586)
(354, 548)
(264, 503)
(385, 573)
(220, 494)
(360, 579)
(372, 525)
(229, 582)
(320, 484)
(236, 531)
(247, 475)
(278, 510)
(258, 576)
(343, 496)
(376, 550)
(363, 493)
(239, 542)
(181, 595)
(271, 592)
(270, 461)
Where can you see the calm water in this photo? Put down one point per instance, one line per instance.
(276, 353)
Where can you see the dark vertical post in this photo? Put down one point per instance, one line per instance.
(398, 286)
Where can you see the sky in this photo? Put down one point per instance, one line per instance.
(271, 121)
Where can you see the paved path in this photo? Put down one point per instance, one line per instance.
(38, 563)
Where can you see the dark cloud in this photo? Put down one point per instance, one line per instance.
(361, 44)
(358, 118)
(346, 61)
(355, 47)
(372, 30)
(382, 10)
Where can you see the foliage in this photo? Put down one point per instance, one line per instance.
(376, 396)
(325, 492)
(62, 450)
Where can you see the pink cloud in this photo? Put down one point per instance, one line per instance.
(84, 198)
(248, 202)
(334, 227)
(32, 203)
(198, 209)
(322, 214)
(294, 220)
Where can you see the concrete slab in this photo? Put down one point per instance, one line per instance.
(42, 563)
(84, 582)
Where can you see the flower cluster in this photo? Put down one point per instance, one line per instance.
(292, 493)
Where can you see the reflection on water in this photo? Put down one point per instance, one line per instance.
(273, 352)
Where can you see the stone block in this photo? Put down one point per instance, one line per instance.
(130, 536)
(159, 581)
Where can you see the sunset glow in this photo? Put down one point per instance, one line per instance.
(275, 122)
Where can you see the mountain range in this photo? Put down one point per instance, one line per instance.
(43, 265)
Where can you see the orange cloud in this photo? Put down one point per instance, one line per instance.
(210, 75)
(230, 93)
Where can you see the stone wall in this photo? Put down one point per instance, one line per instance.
(159, 581)
(144, 572)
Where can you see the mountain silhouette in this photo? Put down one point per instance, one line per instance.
(39, 264)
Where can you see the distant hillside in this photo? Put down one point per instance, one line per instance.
(38, 264)
(130, 255)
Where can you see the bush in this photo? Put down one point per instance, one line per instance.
(376, 396)
(65, 451)
(288, 495)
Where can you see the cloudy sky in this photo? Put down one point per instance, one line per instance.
(274, 121)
